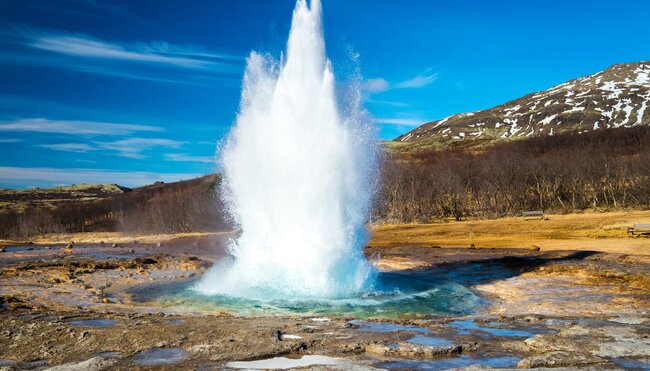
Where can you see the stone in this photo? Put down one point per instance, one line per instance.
(92, 364)
(560, 359)
(545, 343)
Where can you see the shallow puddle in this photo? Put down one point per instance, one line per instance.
(160, 356)
(466, 327)
(283, 363)
(93, 323)
(7, 362)
(632, 364)
(429, 341)
(444, 364)
(386, 327)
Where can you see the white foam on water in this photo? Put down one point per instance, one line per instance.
(300, 168)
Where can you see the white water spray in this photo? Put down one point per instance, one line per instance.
(299, 172)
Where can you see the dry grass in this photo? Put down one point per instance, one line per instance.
(605, 232)
(111, 237)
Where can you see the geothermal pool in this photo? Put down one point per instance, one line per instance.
(397, 296)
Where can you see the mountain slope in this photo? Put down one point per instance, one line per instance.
(616, 97)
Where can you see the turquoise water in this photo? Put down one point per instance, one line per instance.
(395, 296)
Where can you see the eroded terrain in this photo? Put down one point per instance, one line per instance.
(76, 309)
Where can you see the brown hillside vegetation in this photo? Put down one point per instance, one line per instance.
(603, 169)
(178, 207)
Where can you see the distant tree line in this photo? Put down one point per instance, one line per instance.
(606, 169)
(160, 208)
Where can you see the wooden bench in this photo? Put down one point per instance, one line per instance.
(638, 229)
(536, 214)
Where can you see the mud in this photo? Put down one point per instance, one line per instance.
(74, 309)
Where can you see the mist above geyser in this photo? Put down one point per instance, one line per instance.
(299, 171)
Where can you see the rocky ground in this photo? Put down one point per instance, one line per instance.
(75, 309)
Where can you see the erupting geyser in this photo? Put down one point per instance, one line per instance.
(299, 172)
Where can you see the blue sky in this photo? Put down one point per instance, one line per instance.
(132, 92)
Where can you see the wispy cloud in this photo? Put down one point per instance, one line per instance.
(184, 157)
(130, 148)
(157, 61)
(419, 81)
(9, 140)
(43, 125)
(46, 175)
(134, 147)
(84, 46)
(70, 147)
(400, 122)
(388, 103)
(378, 85)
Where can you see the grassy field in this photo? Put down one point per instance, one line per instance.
(586, 231)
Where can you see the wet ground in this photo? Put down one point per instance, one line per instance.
(87, 308)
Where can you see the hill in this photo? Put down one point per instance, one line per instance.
(184, 206)
(616, 97)
(50, 197)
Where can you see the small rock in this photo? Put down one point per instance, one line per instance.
(106, 300)
(534, 248)
(115, 245)
(472, 246)
(355, 348)
(560, 359)
(92, 364)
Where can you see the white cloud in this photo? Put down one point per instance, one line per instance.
(160, 52)
(400, 122)
(75, 176)
(419, 81)
(389, 103)
(184, 157)
(134, 60)
(70, 147)
(9, 140)
(133, 147)
(74, 127)
(376, 85)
